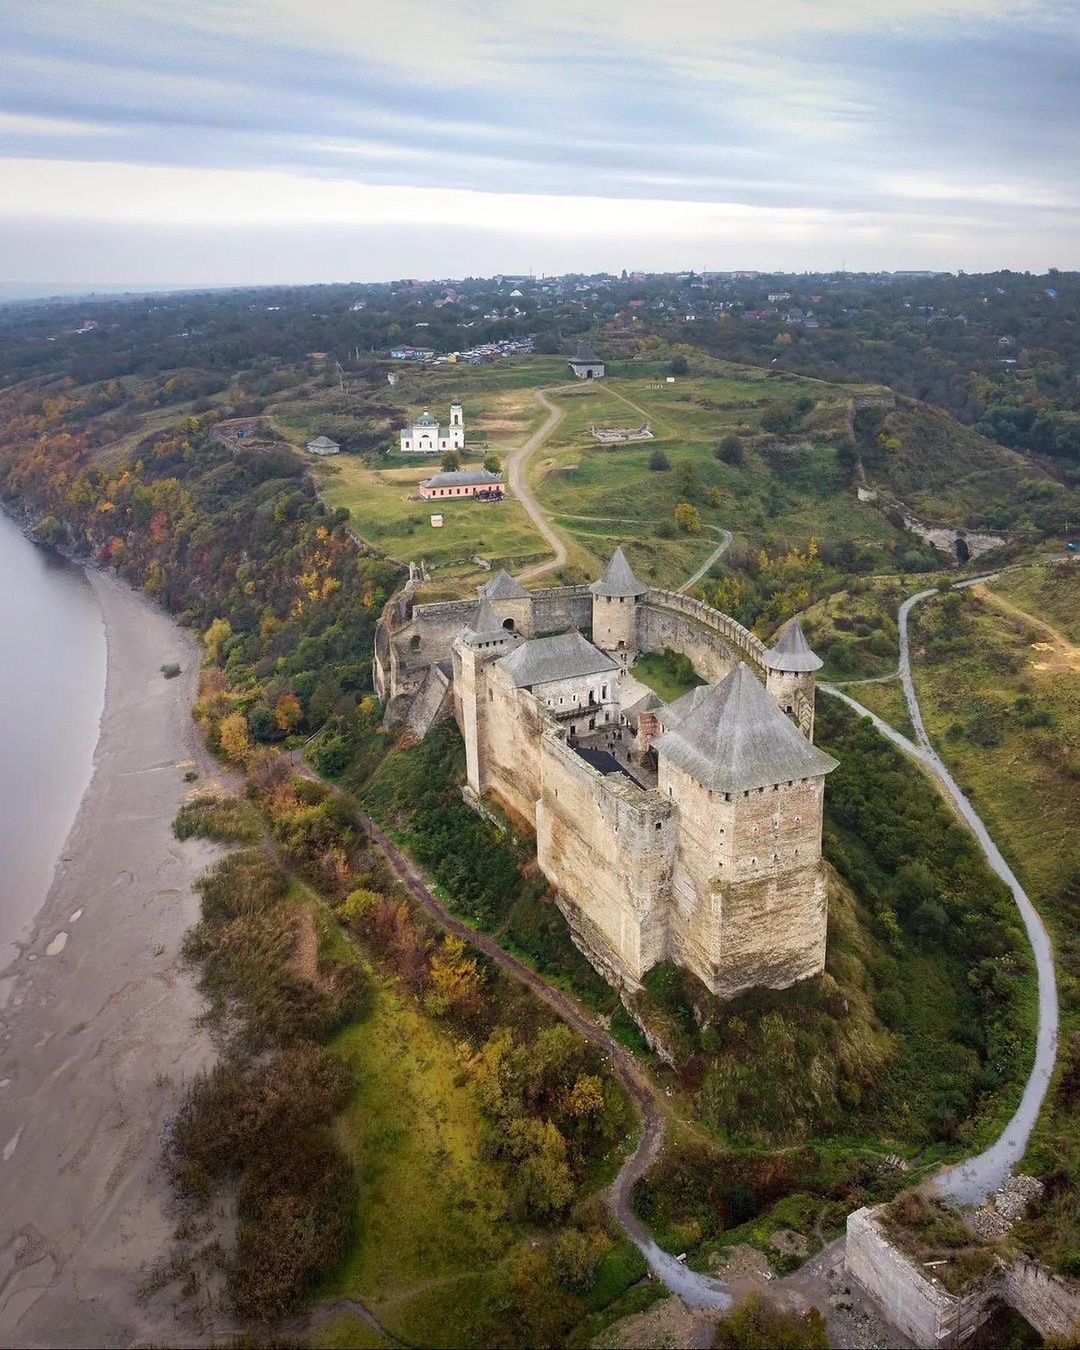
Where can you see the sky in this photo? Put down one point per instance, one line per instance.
(220, 142)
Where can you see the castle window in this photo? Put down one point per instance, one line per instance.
(414, 643)
(659, 824)
(753, 862)
(727, 796)
(508, 624)
(798, 820)
(776, 857)
(491, 695)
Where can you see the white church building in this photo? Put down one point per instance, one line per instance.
(427, 436)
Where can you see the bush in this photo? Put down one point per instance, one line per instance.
(659, 462)
(170, 670)
(754, 1325)
(731, 451)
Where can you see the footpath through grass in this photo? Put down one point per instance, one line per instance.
(1006, 717)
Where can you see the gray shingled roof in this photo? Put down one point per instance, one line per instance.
(462, 478)
(673, 713)
(585, 354)
(737, 739)
(485, 620)
(502, 586)
(792, 651)
(323, 442)
(618, 578)
(562, 657)
(647, 703)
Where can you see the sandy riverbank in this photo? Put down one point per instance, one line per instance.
(99, 1033)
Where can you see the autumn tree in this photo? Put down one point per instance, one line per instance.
(233, 737)
(287, 712)
(688, 518)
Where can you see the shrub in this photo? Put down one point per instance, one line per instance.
(170, 670)
(754, 1325)
(659, 462)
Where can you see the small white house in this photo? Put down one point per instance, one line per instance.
(323, 445)
(436, 521)
(427, 437)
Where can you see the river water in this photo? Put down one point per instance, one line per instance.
(52, 689)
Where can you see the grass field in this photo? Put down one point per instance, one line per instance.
(887, 701)
(378, 499)
(792, 490)
(432, 1215)
(596, 497)
(1002, 703)
(653, 670)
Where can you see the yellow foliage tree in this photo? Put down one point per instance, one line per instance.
(454, 981)
(688, 518)
(234, 738)
(218, 632)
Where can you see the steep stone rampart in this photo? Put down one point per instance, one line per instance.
(713, 641)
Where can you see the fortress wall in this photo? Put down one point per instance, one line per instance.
(748, 890)
(511, 723)
(607, 846)
(714, 642)
(560, 608)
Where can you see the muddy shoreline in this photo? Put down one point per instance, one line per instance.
(100, 1031)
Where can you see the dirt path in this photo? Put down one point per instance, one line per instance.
(725, 541)
(1059, 655)
(971, 1181)
(517, 480)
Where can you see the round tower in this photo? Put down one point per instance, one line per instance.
(789, 676)
(614, 610)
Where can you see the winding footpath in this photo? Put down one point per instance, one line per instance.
(698, 1290)
(519, 486)
(971, 1181)
(517, 480)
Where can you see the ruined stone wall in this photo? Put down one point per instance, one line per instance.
(607, 847)
(714, 642)
(1050, 1304)
(926, 1312)
(563, 607)
(749, 900)
(917, 1305)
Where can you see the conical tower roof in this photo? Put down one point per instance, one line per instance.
(502, 586)
(737, 739)
(618, 578)
(792, 651)
(485, 622)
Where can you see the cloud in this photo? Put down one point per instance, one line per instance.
(929, 121)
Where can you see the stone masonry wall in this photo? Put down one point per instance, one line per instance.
(714, 642)
(915, 1304)
(607, 847)
(562, 607)
(748, 889)
(1050, 1304)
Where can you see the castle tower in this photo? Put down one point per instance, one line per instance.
(510, 601)
(790, 667)
(482, 641)
(614, 610)
(748, 896)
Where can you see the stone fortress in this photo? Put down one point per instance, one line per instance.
(686, 832)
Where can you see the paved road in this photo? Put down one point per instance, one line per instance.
(517, 480)
(970, 1182)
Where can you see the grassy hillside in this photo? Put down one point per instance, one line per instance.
(1002, 701)
(947, 472)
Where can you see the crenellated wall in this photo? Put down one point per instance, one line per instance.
(563, 607)
(713, 641)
